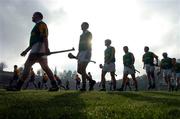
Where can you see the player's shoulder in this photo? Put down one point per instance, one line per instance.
(88, 33)
(131, 53)
(152, 53)
(42, 24)
(113, 48)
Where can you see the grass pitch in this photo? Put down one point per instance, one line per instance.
(40, 104)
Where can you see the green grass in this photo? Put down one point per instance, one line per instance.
(36, 104)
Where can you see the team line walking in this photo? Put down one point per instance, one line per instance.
(39, 50)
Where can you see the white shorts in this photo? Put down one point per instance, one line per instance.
(38, 47)
(84, 56)
(109, 67)
(128, 70)
(167, 73)
(149, 68)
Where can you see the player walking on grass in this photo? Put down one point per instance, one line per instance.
(44, 81)
(84, 54)
(16, 75)
(128, 61)
(148, 60)
(78, 82)
(176, 70)
(109, 65)
(166, 68)
(38, 45)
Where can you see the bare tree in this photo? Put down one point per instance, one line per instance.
(2, 66)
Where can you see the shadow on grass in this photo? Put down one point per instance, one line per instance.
(155, 98)
(69, 106)
(55, 105)
(177, 95)
(169, 103)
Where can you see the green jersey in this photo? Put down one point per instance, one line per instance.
(177, 67)
(39, 32)
(85, 41)
(148, 58)
(128, 59)
(166, 63)
(109, 55)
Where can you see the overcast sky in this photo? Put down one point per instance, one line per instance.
(135, 23)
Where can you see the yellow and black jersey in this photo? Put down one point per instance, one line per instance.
(38, 33)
